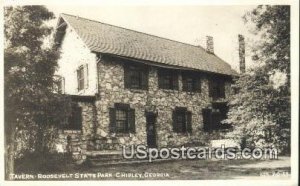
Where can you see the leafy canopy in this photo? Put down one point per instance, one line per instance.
(260, 111)
(29, 66)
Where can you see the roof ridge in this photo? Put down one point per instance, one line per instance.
(139, 32)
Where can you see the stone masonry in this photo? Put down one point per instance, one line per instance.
(111, 90)
(95, 134)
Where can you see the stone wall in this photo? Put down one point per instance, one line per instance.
(111, 91)
(95, 134)
(77, 142)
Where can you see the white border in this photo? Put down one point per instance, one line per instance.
(294, 89)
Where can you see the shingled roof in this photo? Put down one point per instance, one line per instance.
(104, 38)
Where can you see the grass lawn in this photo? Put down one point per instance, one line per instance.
(187, 170)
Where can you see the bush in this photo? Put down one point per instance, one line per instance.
(42, 162)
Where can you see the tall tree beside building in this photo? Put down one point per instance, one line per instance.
(261, 110)
(29, 65)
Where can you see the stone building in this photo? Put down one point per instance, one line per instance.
(135, 88)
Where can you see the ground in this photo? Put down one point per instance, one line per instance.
(191, 169)
(53, 169)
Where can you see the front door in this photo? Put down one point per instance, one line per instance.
(151, 132)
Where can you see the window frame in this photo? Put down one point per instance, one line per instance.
(80, 78)
(168, 79)
(139, 73)
(125, 128)
(74, 121)
(59, 84)
(129, 121)
(217, 88)
(191, 82)
(186, 124)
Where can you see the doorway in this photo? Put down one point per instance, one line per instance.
(151, 129)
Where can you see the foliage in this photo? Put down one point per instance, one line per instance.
(31, 107)
(43, 163)
(260, 111)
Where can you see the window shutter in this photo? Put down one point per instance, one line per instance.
(75, 119)
(175, 80)
(184, 83)
(86, 76)
(62, 85)
(126, 77)
(189, 121)
(144, 79)
(222, 89)
(78, 116)
(206, 115)
(198, 84)
(112, 119)
(160, 79)
(131, 120)
(78, 78)
(175, 125)
(210, 88)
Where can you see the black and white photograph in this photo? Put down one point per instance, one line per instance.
(97, 91)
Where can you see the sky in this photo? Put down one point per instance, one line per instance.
(184, 23)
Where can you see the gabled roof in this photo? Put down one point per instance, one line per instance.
(104, 38)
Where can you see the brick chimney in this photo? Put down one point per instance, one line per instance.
(242, 54)
(210, 44)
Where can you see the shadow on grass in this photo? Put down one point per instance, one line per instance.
(174, 169)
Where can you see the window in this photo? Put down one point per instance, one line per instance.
(213, 117)
(82, 77)
(136, 77)
(75, 119)
(217, 88)
(59, 84)
(191, 82)
(168, 79)
(122, 119)
(182, 120)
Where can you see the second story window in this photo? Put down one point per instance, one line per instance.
(168, 79)
(191, 82)
(216, 88)
(136, 77)
(59, 84)
(82, 77)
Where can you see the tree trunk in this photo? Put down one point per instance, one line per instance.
(39, 139)
(9, 155)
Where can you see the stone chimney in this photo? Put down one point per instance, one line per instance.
(242, 54)
(210, 44)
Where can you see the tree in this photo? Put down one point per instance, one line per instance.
(30, 104)
(260, 111)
